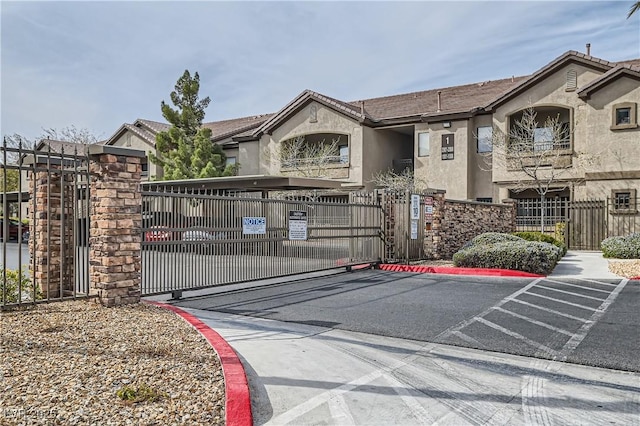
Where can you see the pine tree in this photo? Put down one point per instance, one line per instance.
(185, 151)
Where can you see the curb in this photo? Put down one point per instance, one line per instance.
(457, 271)
(237, 410)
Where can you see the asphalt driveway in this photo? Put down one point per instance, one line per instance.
(590, 322)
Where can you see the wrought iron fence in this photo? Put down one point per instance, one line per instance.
(44, 199)
(193, 239)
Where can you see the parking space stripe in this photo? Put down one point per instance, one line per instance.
(507, 299)
(562, 301)
(582, 333)
(572, 293)
(538, 346)
(536, 322)
(551, 311)
(467, 339)
(597, 282)
(579, 286)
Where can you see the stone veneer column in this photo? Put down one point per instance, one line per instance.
(45, 229)
(115, 228)
(434, 250)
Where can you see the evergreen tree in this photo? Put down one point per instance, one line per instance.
(185, 151)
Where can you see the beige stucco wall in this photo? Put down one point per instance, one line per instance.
(450, 175)
(479, 179)
(596, 147)
(328, 121)
(381, 148)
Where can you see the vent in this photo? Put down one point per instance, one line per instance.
(572, 80)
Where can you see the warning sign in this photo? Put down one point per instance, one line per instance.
(297, 225)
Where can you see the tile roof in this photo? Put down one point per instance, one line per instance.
(65, 147)
(604, 79)
(456, 99)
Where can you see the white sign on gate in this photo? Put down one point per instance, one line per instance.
(254, 225)
(297, 225)
(415, 207)
(414, 229)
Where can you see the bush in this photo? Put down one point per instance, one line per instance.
(622, 247)
(506, 251)
(539, 236)
(13, 282)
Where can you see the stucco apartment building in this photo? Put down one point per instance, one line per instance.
(444, 134)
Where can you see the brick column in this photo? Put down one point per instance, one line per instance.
(116, 220)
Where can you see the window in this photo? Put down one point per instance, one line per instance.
(542, 139)
(624, 200)
(423, 144)
(484, 135)
(484, 200)
(230, 161)
(344, 154)
(624, 116)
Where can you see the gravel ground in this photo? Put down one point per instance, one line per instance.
(625, 268)
(62, 364)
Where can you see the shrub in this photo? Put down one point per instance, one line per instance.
(142, 393)
(622, 247)
(506, 251)
(539, 236)
(13, 283)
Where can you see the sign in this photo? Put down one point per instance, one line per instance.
(254, 225)
(428, 209)
(415, 207)
(446, 152)
(414, 229)
(297, 225)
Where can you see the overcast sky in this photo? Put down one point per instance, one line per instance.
(97, 65)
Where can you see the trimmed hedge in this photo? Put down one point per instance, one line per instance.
(622, 247)
(539, 236)
(506, 251)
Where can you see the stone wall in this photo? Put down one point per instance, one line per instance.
(116, 221)
(457, 222)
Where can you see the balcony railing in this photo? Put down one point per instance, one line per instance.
(303, 162)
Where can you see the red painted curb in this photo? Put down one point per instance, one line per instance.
(635, 278)
(237, 411)
(457, 271)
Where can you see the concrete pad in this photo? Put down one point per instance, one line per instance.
(585, 264)
(301, 374)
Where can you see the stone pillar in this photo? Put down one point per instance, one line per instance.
(45, 229)
(434, 241)
(116, 221)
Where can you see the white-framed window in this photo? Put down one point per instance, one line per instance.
(483, 138)
(624, 116)
(423, 144)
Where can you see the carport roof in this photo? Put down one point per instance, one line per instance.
(249, 183)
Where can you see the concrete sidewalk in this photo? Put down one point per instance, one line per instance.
(583, 264)
(300, 374)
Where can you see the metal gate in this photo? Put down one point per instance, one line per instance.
(45, 203)
(194, 239)
(591, 221)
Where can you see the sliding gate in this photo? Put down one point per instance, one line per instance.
(192, 239)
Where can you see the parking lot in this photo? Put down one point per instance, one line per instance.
(585, 321)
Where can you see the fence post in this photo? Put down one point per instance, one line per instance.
(116, 221)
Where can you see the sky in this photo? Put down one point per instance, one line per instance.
(97, 65)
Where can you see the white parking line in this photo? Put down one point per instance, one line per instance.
(596, 282)
(537, 345)
(536, 322)
(466, 338)
(572, 293)
(563, 302)
(579, 286)
(448, 332)
(551, 311)
(582, 333)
